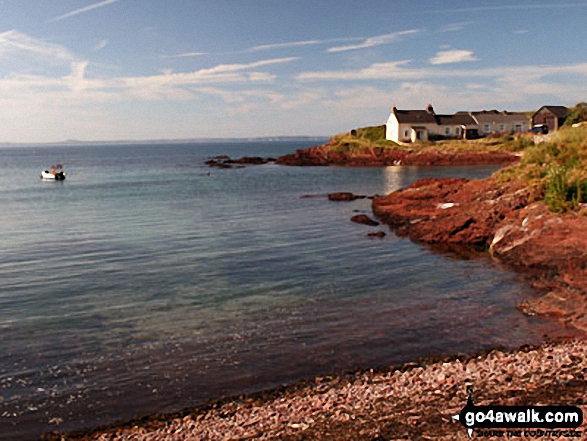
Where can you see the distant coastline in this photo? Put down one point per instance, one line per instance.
(73, 142)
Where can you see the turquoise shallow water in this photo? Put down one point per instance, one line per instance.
(141, 284)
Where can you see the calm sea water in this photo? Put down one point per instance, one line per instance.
(142, 285)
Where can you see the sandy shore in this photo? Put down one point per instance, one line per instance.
(414, 401)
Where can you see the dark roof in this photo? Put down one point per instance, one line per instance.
(414, 116)
(495, 117)
(558, 111)
(460, 119)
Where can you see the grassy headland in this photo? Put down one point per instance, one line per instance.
(558, 167)
(374, 137)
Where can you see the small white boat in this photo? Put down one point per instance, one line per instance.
(56, 174)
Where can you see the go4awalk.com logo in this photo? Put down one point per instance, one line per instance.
(528, 421)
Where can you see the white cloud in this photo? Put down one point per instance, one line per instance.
(401, 70)
(168, 85)
(521, 31)
(455, 27)
(453, 56)
(264, 47)
(375, 41)
(17, 42)
(187, 55)
(243, 101)
(84, 9)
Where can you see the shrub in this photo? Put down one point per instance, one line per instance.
(576, 114)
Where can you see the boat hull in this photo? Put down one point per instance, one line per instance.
(46, 175)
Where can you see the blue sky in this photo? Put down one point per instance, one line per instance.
(169, 69)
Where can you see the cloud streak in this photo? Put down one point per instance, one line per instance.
(14, 41)
(401, 70)
(84, 9)
(453, 56)
(264, 47)
(510, 7)
(375, 41)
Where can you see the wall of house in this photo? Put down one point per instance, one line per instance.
(503, 126)
(546, 117)
(392, 129)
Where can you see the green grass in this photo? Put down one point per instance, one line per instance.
(558, 168)
(374, 136)
(362, 138)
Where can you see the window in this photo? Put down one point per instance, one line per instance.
(406, 133)
(502, 127)
(458, 131)
(487, 128)
(518, 128)
(447, 131)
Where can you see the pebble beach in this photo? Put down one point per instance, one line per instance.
(413, 401)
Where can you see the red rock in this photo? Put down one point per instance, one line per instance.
(364, 219)
(324, 155)
(507, 220)
(344, 196)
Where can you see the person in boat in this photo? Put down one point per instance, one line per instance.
(53, 170)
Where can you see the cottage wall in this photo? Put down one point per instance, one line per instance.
(546, 117)
(392, 129)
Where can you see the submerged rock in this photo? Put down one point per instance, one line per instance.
(364, 220)
(344, 196)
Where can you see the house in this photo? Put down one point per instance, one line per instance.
(551, 116)
(421, 125)
(493, 121)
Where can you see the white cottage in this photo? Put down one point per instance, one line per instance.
(420, 125)
(492, 121)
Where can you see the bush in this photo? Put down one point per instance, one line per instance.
(576, 114)
(556, 188)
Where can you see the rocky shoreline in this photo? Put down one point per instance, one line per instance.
(324, 155)
(508, 220)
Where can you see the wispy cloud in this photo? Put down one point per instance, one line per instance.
(455, 27)
(14, 41)
(401, 70)
(187, 55)
(168, 86)
(375, 41)
(521, 31)
(101, 45)
(84, 9)
(264, 47)
(524, 6)
(453, 56)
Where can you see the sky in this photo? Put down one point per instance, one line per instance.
(173, 69)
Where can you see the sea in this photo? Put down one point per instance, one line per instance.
(147, 282)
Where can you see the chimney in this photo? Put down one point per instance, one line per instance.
(393, 109)
(429, 108)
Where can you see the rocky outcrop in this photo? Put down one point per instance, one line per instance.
(364, 220)
(224, 161)
(344, 196)
(325, 155)
(508, 221)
